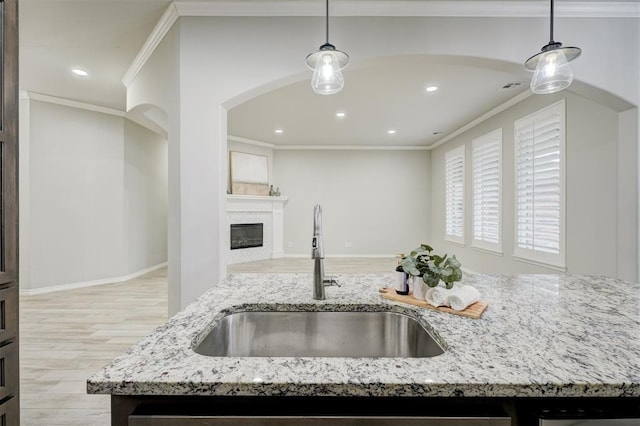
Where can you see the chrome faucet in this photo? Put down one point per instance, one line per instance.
(317, 253)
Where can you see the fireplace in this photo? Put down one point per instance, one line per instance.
(246, 235)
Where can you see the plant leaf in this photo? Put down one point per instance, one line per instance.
(454, 262)
(427, 247)
(430, 280)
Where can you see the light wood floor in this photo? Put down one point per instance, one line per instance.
(67, 336)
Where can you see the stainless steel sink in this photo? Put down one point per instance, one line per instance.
(319, 334)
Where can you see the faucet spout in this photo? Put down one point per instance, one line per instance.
(317, 246)
(317, 253)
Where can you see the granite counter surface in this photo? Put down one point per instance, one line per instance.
(541, 336)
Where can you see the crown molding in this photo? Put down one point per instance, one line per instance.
(484, 117)
(166, 21)
(351, 148)
(326, 147)
(461, 8)
(250, 141)
(395, 8)
(24, 94)
(71, 103)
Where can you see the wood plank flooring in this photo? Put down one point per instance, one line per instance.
(67, 336)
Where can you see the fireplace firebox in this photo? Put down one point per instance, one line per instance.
(246, 235)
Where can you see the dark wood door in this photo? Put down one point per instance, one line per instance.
(9, 382)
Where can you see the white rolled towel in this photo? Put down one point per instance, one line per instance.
(463, 296)
(438, 296)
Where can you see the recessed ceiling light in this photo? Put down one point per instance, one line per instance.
(340, 114)
(437, 132)
(391, 132)
(279, 131)
(431, 89)
(79, 72)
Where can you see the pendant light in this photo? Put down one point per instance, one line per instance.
(327, 65)
(552, 72)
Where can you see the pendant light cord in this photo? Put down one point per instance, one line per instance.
(327, 21)
(550, 26)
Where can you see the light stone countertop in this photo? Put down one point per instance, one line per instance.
(541, 336)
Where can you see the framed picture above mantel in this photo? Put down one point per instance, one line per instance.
(249, 173)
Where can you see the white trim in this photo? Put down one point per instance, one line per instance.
(164, 24)
(495, 136)
(327, 147)
(250, 141)
(484, 117)
(461, 243)
(555, 261)
(73, 286)
(342, 256)
(462, 8)
(486, 250)
(352, 147)
(73, 104)
(256, 197)
(90, 107)
(458, 154)
(539, 263)
(508, 9)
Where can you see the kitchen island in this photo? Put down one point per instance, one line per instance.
(546, 343)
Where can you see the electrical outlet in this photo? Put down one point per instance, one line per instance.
(348, 244)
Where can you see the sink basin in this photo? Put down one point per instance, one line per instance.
(319, 334)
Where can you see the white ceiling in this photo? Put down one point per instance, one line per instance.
(388, 94)
(104, 37)
(101, 36)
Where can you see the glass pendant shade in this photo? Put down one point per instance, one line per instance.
(327, 64)
(327, 74)
(553, 73)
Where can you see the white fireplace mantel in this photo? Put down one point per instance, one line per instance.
(256, 204)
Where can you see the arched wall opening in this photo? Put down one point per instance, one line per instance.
(227, 58)
(595, 135)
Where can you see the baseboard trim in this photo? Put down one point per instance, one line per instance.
(365, 256)
(73, 286)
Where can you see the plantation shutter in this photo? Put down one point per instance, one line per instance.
(539, 149)
(454, 194)
(487, 188)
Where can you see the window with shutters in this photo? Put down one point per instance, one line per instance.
(540, 186)
(454, 195)
(486, 172)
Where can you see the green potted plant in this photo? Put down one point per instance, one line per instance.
(432, 268)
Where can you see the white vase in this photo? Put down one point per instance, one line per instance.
(419, 288)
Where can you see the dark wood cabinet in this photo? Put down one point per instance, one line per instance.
(9, 368)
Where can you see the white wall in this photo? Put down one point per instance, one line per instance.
(145, 198)
(221, 61)
(627, 209)
(592, 191)
(87, 179)
(373, 202)
(76, 194)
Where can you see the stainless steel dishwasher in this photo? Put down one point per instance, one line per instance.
(590, 422)
(168, 420)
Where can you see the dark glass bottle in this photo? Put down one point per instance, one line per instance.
(402, 278)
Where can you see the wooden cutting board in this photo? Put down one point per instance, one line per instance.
(472, 311)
